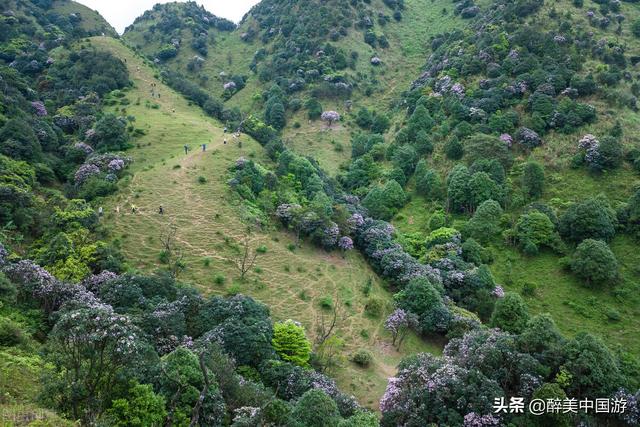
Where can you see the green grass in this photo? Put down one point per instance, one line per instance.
(208, 217)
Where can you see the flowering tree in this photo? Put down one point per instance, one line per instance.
(89, 347)
(345, 243)
(39, 108)
(398, 324)
(330, 117)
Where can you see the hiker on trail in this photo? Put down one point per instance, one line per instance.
(100, 211)
(204, 147)
(186, 149)
(224, 130)
(118, 209)
(134, 209)
(161, 210)
(225, 141)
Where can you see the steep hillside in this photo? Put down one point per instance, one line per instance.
(293, 281)
(88, 19)
(318, 67)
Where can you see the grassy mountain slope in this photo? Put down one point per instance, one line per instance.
(232, 53)
(209, 223)
(90, 20)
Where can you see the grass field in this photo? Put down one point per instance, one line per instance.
(209, 225)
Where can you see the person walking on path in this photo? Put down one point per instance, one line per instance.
(134, 209)
(100, 211)
(225, 141)
(186, 149)
(161, 210)
(204, 147)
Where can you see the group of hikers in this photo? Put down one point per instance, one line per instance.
(134, 210)
(235, 135)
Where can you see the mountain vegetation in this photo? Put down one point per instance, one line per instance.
(187, 239)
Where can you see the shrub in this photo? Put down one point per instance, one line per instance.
(326, 302)
(594, 262)
(374, 306)
(592, 218)
(10, 332)
(219, 279)
(533, 180)
(362, 358)
(510, 314)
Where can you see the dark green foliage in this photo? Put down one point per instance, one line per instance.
(405, 158)
(314, 108)
(458, 188)
(594, 262)
(454, 149)
(274, 114)
(592, 218)
(533, 180)
(510, 314)
(316, 409)
(485, 223)
(18, 141)
(384, 202)
(428, 182)
(533, 230)
(593, 368)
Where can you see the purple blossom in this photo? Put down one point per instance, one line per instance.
(330, 235)
(115, 165)
(475, 420)
(507, 139)
(285, 212)
(355, 221)
(85, 172)
(229, 86)
(94, 282)
(90, 134)
(590, 14)
(3, 255)
(241, 162)
(376, 61)
(528, 137)
(39, 108)
(330, 117)
(513, 54)
(345, 243)
(498, 292)
(458, 90)
(84, 147)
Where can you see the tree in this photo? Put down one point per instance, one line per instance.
(111, 133)
(89, 348)
(290, 343)
(171, 254)
(141, 408)
(399, 324)
(590, 219)
(384, 202)
(593, 368)
(274, 114)
(510, 314)
(246, 256)
(316, 409)
(635, 28)
(481, 188)
(533, 180)
(428, 182)
(405, 158)
(594, 262)
(481, 146)
(454, 149)
(420, 120)
(314, 108)
(550, 392)
(485, 222)
(458, 188)
(535, 229)
(18, 141)
(330, 117)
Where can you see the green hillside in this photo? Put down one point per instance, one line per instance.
(334, 213)
(209, 221)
